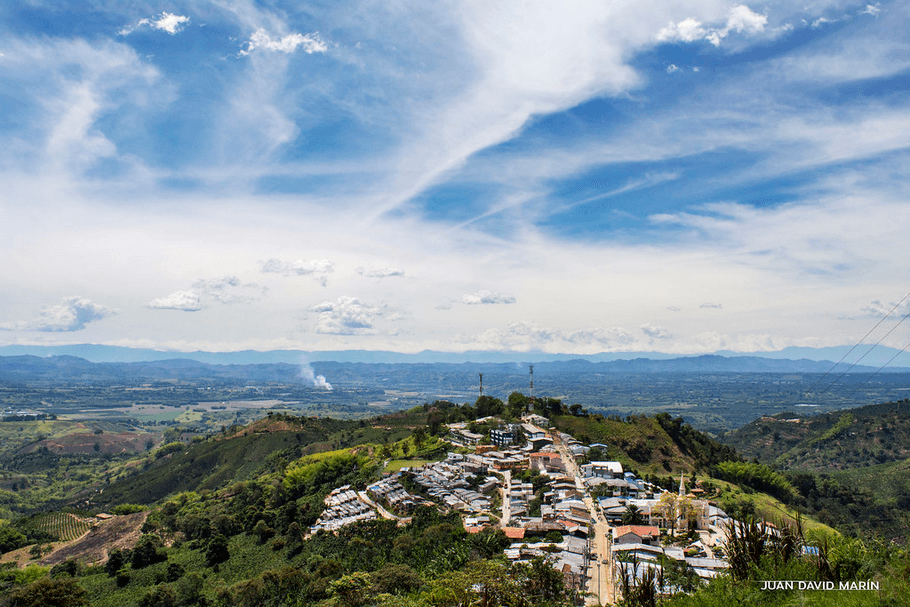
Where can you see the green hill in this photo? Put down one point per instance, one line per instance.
(869, 435)
(650, 445)
(243, 453)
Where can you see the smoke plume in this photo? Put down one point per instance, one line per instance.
(307, 373)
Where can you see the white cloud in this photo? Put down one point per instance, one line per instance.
(226, 290)
(486, 297)
(871, 9)
(188, 301)
(309, 43)
(166, 22)
(380, 273)
(71, 315)
(878, 309)
(820, 22)
(687, 30)
(65, 88)
(711, 306)
(348, 316)
(656, 332)
(740, 19)
(523, 337)
(672, 68)
(317, 268)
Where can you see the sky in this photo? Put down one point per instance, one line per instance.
(577, 178)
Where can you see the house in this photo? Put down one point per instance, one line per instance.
(537, 420)
(549, 462)
(505, 435)
(603, 469)
(636, 534)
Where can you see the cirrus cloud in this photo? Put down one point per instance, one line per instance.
(380, 273)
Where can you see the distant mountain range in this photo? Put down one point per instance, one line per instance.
(880, 356)
(29, 367)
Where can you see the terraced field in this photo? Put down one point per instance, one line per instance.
(63, 526)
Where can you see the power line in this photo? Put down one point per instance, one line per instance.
(901, 351)
(849, 352)
(834, 366)
(867, 352)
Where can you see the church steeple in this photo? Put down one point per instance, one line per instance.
(682, 486)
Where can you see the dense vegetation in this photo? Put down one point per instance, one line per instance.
(229, 516)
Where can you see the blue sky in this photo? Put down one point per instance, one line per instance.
(533, 176)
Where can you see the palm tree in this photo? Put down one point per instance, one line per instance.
(632, 515)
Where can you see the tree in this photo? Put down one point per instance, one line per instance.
(352, 590)
(115, 560)
(217, 551)
(518, 405)
(632, 515)
(396, 579)
(11, 539)
(541, 581)
(666, 508)
(420, 437)
(148, 551)
(47, 592)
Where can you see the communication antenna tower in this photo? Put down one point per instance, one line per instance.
(531, 374)
(481, 384)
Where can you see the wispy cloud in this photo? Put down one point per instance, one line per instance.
(318, 269)
(380, 272)
(486, 297)
(308, 43)
(523, 336)
(166, 22)
(73, 314)
(656, 332)
(226, 290)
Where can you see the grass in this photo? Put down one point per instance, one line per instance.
(774, 511)
(188, 417)
(397, 464)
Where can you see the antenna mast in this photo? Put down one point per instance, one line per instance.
(481, 384)
(531, 374)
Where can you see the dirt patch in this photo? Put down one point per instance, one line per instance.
(88, 443)
(93, 547)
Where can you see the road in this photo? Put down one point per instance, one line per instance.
(382, 511)
(600, 585)
(506, 502)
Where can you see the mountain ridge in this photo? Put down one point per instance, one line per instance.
(104, 353)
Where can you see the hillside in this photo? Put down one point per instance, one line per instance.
(227, 519)
(241, 453)
(650, 444)
(874, 434)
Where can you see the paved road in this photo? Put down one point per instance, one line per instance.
(506, 502)
(600, 585)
